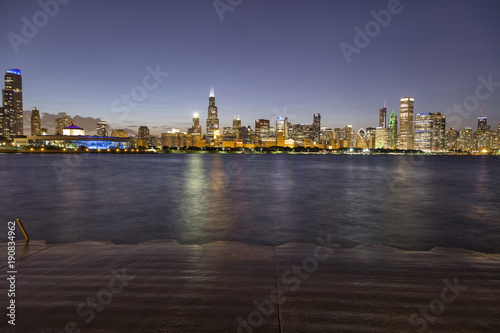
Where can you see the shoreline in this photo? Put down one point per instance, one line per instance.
(239, 152)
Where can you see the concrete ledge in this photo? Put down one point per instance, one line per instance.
(161, 286)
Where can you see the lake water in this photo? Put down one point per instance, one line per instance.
(413, 203)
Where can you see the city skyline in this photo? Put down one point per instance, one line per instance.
(261, 71)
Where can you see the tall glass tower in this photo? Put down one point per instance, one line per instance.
(392, 140)
(212, 120)
(12, 122)
(406, 124)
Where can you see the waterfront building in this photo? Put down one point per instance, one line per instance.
(73, 130)
(406, 123)
(11, 117)
(102, 128)
(36, 125)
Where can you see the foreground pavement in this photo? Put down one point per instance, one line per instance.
(162, 286)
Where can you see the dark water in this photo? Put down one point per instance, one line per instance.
(413, 203)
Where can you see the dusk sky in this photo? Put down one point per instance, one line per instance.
(266, 58)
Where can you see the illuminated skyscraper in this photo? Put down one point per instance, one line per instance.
(262, 128)
(196, 128)
(316, 127)
(12, 117)
(382, 118)
(62, 123)
(102, 128)
(143, 136)
(430, 131)
(237, 128)
(406, 124)
(451, 140)
(438, 131)
(482, 125)
(381, 138)
(282, 127)
(35, 122)
(466, 139)
(392, 133)
(212, 120)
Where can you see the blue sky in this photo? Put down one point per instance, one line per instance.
(267, 58)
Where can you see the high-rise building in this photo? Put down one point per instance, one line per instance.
(482, 124)
(1, 121)
(62, 123)
(451, 139)
(282, 127)
(392, 133)
(119, 133)
(102, 128)
(382, 118)
(316, 127)
(237, 128)
(466, 139)
(438, 131)
(262, 128)
(381, 138)
(430, 131)
(12, 115)
(406, 124)
(36, 126)
(195, 128)
(212, 120)
(143, 136)
(423, 131)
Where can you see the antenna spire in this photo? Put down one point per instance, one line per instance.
(212, 92)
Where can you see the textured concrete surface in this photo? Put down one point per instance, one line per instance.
(230, 287)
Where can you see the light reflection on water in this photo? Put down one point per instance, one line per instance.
(257, 199)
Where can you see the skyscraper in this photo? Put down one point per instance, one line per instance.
(102, 128)
(143, 136)
(316, 127)
(430, 131)
(62, 123)
(237, 128)
(195, 128)
(382, 118)
(392, 135)
(406, 124)
(212, 120)
(438, 131)
(35, 122)
(282, 127)
(482, 124)
(12, 118)
(262, 128)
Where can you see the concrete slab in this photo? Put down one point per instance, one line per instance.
(162, 286)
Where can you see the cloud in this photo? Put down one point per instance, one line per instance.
(48, 120)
